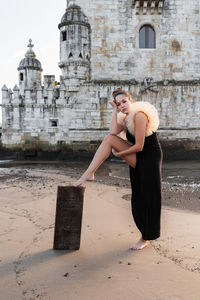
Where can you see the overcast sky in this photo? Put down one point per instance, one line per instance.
(24, 19)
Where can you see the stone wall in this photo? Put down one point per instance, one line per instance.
(87, 114)
(115, 40)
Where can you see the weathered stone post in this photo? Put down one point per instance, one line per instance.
(68, 219)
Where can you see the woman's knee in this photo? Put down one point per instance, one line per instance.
(109, 136)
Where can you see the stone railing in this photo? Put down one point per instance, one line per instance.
(148, 6)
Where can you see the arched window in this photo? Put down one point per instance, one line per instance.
(147, 37)
(64, 35)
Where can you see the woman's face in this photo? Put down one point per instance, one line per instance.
(123, 103)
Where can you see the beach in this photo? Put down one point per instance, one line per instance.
(104, 268)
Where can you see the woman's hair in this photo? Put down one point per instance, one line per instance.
(120, 91)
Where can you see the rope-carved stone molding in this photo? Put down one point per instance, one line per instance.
(148, 84)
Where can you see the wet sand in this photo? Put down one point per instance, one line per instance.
(180, 179)
(103, 268)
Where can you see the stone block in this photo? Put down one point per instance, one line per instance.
(68, 219)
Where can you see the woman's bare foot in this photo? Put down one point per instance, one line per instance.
(139, 245)
(85, 177)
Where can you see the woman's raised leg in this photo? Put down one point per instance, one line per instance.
(103, 152)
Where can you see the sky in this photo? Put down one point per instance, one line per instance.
(24, 19)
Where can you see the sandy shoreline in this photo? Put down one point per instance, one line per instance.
(180, 180)
(103, 268)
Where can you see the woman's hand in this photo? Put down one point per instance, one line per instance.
(117, 154)
(113, 103)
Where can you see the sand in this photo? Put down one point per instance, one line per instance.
(104, 268)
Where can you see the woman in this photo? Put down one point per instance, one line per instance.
(143, 153)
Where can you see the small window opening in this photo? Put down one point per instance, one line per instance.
(64, 35)
(21, 76)
(54, 123)
(60, 142)
(80, 55)
(9, 122)
(147, 37)
(70, 55)
(87, 56)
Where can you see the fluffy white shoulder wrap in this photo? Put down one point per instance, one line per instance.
(140, 106)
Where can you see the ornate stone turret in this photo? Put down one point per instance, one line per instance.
(5, 95)
(30, 70)
(74, 47)
(16, 100)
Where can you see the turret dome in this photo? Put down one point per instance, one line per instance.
(74, 15)
(30, 60)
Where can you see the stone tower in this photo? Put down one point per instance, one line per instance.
(30, 70)
(75, 47)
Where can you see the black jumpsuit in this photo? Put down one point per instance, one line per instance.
(146, 187)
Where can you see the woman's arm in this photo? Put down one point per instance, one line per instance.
(115, 128)
(140, 123)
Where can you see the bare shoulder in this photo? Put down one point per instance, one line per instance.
(141, 117)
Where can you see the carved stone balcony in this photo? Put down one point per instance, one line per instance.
(145, 7)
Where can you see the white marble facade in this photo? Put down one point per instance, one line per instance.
(100, 51)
